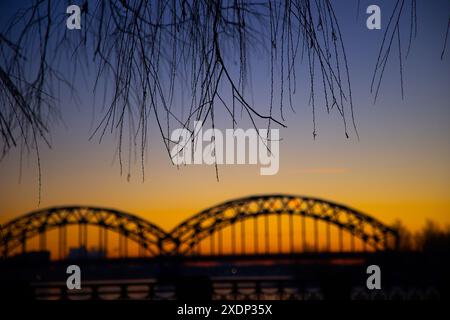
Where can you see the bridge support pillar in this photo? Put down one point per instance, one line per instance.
(62, 242)
(24, 244)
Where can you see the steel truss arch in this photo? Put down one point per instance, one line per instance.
(370, 230)
(146, 234)
(184, 237)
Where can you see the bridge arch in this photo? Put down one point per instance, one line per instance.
(367, 229)
(185, 237)
(147, 235)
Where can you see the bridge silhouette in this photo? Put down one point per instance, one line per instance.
(266, 224)
(274, 246)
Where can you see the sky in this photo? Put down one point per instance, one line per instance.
(397, 170)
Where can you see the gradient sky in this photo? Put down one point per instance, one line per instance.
(399, 169)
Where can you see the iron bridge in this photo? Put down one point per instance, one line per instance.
(263, 224)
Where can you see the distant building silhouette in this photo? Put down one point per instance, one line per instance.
(84, 253)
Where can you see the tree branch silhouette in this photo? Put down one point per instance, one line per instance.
(146, 54)
(150, 51)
